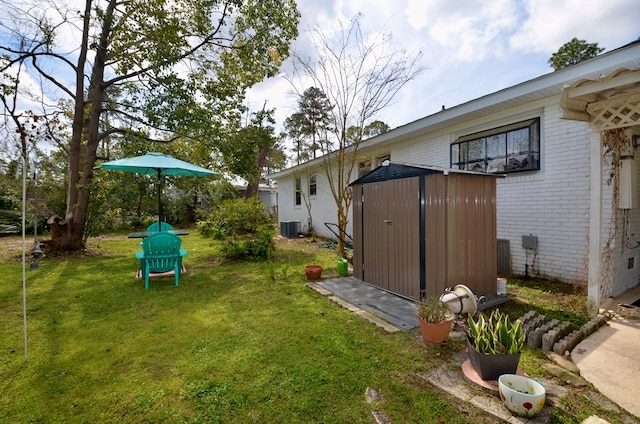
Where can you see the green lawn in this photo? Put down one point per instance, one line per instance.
(235, 342)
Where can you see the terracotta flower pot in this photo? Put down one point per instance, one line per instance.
(434, 334)
(313, 272)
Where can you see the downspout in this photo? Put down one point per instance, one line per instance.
(595, 222)
(422, 235)
(362, 264)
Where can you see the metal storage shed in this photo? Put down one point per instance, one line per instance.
(420, 229)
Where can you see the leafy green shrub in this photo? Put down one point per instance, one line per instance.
(235, 217)
(246, 228)
(10, 222)
(179, 210)
(257, 247)
(233, 250)
(10, 218)
(137, 223)
(101, 219)
(9, 202)
(262, 246)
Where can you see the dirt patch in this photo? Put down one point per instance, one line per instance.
(302, 244)
(12, 247)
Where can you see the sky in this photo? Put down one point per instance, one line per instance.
(470, 47)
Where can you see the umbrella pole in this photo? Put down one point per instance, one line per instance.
(159, 200)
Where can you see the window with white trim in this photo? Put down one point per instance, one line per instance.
(313, 185)
(298, 192)
(511, 148)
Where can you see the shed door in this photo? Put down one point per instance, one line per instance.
(390, 235)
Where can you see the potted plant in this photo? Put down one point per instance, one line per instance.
(435, 320)
(494, 344)
(313, 272)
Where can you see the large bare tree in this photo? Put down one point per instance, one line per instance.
(153, 69)
(360, 74)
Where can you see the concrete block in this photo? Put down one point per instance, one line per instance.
(527, 317)
(567, 343)
(534, 323)
(551, 337)
(534, 338)
(594, 324)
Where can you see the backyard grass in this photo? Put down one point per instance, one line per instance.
(234, 343)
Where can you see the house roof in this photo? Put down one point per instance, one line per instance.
(548, 85)
(394, 171)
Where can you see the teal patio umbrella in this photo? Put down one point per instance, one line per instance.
(157, 164)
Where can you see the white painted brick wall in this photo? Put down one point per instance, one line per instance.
(622, 233)
(552, 204)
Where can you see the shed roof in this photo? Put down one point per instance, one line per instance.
(394, 171)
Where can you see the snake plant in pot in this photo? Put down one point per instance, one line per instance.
(494, 344)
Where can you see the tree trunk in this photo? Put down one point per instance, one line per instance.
(252, 190)
(69, 232)
(342, 228)
(61, 236)
(253, 186)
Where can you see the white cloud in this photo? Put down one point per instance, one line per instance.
(471, 47)
(551, 23)
(469, 29)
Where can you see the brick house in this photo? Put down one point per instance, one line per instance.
(566, 141)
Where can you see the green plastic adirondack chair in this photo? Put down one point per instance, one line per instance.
(154, 228)
(161, 252)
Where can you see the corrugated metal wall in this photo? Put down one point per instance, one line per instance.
(436, 235)
(356, 220)
(470, 236)
(375, 237)
(388, 255)
(403, 209)
(460, 234)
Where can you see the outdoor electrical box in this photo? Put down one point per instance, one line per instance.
(530, 242)
(627, 184)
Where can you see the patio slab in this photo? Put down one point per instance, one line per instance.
(394, 309)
